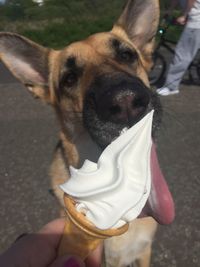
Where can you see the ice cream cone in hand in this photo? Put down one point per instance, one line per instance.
(110, 193)
(80, 236)
(102, 198)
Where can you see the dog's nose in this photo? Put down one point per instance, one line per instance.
(124, 106)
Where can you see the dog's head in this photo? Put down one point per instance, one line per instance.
(101, 82)
(99, 85)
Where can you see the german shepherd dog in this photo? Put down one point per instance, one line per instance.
(97, 87)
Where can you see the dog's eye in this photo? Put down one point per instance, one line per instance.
(123, 53)
(70, 79)
(127, 56)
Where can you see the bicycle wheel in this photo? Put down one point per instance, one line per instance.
(192, 75)
(158, 69)
(198, 70)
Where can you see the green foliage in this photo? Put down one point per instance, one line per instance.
(174, 33)
(12, 12)
(15, 9)
(59, 22)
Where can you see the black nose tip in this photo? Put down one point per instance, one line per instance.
(124, 106)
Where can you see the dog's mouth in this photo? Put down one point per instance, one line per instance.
(160, 203)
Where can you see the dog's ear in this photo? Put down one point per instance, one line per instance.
(140, 21)
(28, 61)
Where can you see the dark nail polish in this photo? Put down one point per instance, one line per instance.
(71, 262)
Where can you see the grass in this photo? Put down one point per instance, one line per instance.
(57, 25)
(61, 22)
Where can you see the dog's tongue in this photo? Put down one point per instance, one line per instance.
(160, 204)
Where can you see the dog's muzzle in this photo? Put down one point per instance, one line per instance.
(113, 103)
(124, 103)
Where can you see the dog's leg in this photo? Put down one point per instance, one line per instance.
(133, 247)
(144, 260)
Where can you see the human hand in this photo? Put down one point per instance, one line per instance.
(40, 250)
(181, 20)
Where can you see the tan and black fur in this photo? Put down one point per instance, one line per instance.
(79, 82)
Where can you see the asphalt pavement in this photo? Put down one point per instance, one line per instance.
(28, 136)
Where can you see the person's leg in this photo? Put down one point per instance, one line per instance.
(185, 51)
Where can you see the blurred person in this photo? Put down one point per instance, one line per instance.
(186, 49)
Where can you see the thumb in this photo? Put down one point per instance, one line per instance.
(68, 261)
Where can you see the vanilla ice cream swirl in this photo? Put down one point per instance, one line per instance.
(113, 191)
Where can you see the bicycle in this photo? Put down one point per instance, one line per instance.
(159, 68)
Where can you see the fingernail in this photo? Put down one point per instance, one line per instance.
(71, 262)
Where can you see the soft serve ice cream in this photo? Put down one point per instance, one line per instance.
(114, 190)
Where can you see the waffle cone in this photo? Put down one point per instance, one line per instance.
(80, 236)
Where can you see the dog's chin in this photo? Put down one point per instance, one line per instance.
(102, 133)
(107, 134)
